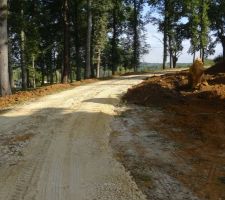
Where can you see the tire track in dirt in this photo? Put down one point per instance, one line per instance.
(69, 156)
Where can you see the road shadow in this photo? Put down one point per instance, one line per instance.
(17, 132)
(111, 101)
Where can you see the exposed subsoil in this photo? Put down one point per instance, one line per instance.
(192, 121)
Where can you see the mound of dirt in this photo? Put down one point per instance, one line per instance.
(199, 116)
(217, 68)
(173, 88)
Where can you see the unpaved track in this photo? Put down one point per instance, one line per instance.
(68, 157)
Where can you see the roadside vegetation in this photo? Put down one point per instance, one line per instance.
(48, 42)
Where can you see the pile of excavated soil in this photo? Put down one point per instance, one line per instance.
(217, 68)
(198, 117)
(22, 96)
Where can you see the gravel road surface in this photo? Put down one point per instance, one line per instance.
(57, 147)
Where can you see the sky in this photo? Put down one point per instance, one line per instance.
(155, 55)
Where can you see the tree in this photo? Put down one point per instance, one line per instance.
(135, 29)
(161, 7)
(66, 56)
(217, 19)
(198, 26)
(99, 31)
(4, 71)
(22, 50)
(88, 40)
(118, 17)
(204, 27)
(175, 44)
(168, 23)
(77, 32)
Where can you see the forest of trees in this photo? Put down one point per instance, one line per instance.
(67, 40)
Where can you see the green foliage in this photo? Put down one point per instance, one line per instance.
(118, 33)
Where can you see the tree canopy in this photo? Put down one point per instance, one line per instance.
(67, 40)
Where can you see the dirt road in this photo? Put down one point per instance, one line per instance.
(56, 148)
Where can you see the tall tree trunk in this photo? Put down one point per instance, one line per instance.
(194, 56)
(66, 65)
(11, 80)
(77, 41)
(22, 54)
(51, 66)
(135, 38)
(203, 55)
(114, 39)
(88, 45)
(22, 61)
(170, 52)
(70, 67)
(92, 60)
(98, 64)
(5, 88)
(42, 71)
(165, 33)
(28, 78)
(34, 71)
(175, 61)
(164, 49)
(223, 45)
(56, 76)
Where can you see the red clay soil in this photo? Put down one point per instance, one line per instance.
(199, 119)
(22, 96)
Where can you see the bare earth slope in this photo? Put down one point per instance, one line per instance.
(57, 148)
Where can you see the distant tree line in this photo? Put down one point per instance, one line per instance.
(67, 40)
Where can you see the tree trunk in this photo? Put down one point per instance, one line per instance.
(42, 71)
(34, 71)
(135, 38)
(22, 61)
(203, 55)
(22, 55)
(56, 76)
(223, 44)
(92, 61)
(77, 41)
(164, 49)
(5, 88)
(175, 61)
(52, 66)
(28, 78)
(11, 80)
(66, 65)
(114, 40)
(194, 56)
(98, 64)
(170, 52)
(88, 45)
(165, 34)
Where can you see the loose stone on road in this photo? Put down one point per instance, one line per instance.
(57, 148)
